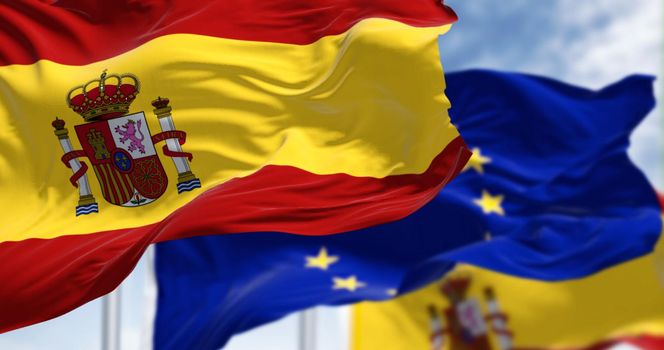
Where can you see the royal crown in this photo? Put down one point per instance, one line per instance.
(104, 98)
(456, 286)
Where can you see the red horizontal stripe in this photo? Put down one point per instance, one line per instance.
(645, 342)
(78, 32)
(44, 278)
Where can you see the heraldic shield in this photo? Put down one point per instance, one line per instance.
(124, 159)
(461, 325)
(120, 146)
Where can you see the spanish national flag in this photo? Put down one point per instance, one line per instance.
(124, 123)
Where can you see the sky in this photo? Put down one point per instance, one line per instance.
(589, 43)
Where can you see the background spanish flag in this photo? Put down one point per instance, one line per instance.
(621, 304)
(330, 113)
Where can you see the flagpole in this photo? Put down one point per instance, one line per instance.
(659, 253)
(307, 320)
(110, 332)
(149, 299)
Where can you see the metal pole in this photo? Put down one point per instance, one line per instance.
(149, 298)
(659, 253)
(110, 331)
(308, 330)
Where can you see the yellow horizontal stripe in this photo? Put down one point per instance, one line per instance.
(368, 102)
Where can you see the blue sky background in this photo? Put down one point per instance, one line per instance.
(590, 43)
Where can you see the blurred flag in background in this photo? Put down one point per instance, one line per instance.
(549, 193)
(478, 309)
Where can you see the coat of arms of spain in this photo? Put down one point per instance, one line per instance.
(120, 146)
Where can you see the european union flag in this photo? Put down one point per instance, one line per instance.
(549, 194)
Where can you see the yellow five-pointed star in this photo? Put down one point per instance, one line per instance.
(490, 204)
(477, 161)
(322, 261)
(351, 283)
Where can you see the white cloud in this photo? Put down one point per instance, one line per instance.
(614, 38)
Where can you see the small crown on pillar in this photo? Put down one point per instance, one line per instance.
(433, 311)
(58, 124)
(160, 102)
(97, 99)
(60, 131)
(161, 106)
(489, 294)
